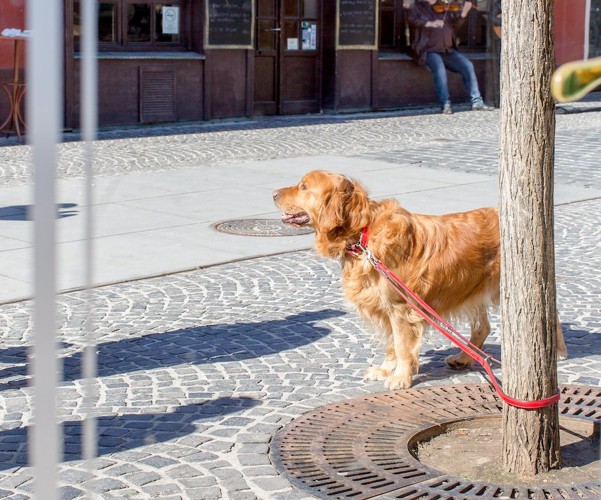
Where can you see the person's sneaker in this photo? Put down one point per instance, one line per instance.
(480, 106)
(447, 110)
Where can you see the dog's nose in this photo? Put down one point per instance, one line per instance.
(275, 194)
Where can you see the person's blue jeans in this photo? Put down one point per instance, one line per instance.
(438, 63)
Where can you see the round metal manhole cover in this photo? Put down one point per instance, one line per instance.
(260, 227)
(361, 448)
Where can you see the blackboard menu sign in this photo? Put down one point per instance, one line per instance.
(229, 24)
(357, 24)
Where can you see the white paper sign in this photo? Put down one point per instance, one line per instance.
(170, 20)
(292, 43)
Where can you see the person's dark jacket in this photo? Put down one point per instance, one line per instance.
(419, 14)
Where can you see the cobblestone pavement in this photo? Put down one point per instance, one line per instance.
(198, 370)
(402, 137)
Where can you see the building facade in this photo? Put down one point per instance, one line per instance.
(189, 60)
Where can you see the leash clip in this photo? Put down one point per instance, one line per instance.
(371, 258)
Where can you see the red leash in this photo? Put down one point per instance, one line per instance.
(435, 320)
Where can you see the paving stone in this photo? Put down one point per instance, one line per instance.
(254, 459)
(142, 478)
(242, 495)
(271, 484)
(105, 485)
(184, 471)
(204, 493)
(69, 493)
(161, 490)
(119, 470)
(198, 482)
(260, 471)
(73, 476)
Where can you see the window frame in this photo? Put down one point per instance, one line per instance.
(122, 44)
(473, 37)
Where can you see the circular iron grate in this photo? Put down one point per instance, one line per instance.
(359, 448)
(259, 227)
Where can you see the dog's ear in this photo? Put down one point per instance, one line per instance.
(346, 206)
(356, 208)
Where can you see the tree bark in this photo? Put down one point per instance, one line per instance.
(528, 307)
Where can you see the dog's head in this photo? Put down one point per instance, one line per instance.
(327, 201)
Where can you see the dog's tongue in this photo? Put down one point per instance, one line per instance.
(295, 218)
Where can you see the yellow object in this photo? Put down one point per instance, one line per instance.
(574, 80)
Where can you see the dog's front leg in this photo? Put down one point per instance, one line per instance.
(406, 338)
(386, 368)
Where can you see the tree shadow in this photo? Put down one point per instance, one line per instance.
(194, 346)
(25, 212)
(583, 446)
(124, 432)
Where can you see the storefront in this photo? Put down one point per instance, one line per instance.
(188, 60)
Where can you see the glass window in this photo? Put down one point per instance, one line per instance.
(393, 29)
(310, 9)
(167, 23)
(594, 38)
(291, 34)
(395, 33)
(300, 25)
(138, 23)
(107, 22)
(135, 24)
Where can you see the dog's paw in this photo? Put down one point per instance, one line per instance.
(375, 373)
(459, 361)
(562, 353)
(397, 382)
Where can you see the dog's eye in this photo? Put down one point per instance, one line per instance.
(302, 186)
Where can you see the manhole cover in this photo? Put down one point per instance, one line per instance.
(359, 448)
(260, 227)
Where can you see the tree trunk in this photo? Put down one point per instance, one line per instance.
(528, 308)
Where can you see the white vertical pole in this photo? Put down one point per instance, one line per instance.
(44, 116)
(89, 127)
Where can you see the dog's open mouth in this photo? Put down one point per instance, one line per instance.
(297, 219)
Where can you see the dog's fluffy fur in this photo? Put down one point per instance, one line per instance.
(451, 261)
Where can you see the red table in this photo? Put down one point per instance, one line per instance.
(14, 90)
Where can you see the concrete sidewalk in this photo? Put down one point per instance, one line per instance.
(149, 224)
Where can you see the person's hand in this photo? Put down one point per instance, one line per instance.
(439, 23)
(467, 6)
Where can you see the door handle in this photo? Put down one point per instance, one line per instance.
(273, 29)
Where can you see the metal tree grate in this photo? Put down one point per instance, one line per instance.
(360, 448)
(259, 227)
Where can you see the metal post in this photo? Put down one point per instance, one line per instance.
(89, 127)
(44, 113)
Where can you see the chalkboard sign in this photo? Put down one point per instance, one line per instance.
(357, 24)
(229, 24)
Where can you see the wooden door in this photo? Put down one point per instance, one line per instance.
(287, 57)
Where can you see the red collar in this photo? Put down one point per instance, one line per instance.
(358, 248)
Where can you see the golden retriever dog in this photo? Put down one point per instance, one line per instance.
(451, 261)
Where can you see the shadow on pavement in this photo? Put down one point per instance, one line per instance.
(25, 212)
(194, 346)
(125, 432)
(580, 344)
